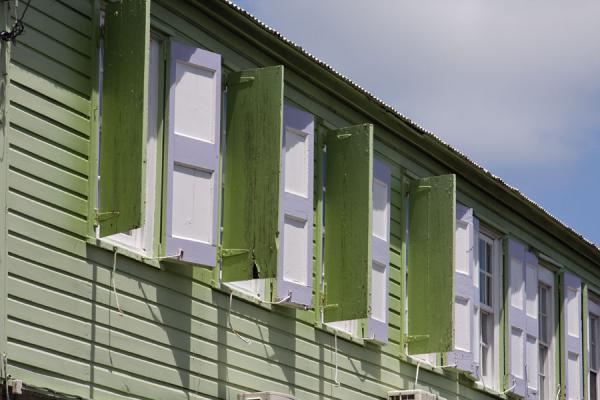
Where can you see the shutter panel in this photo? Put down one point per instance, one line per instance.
(193, 154)
(431, 265)
(348, 208)
(531, 325)
(294, 273)
(517, 320)
(252, 173)
(573, 360)
(466, 293)
(377, 323)
(124, 115)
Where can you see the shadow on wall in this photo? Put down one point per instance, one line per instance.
(144, 338)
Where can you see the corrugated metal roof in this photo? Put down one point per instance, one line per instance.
(398, 114)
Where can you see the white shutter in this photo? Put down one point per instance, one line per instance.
(380, 265)
(466, 292)
(573, 336)
(294, 270)
(193, 154)
(531, 325)
(517, 319)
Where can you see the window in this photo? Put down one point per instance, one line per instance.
(489, 256)
(375, 325)
(267, 224)
(593, 350)
(545, 340)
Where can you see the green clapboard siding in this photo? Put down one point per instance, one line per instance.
(252, 172)
(124, 115)
(348, 207)
(431, 264)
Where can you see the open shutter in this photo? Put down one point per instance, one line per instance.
(466, 292)
(294, 272)
(531, 349)
(124, 115)
(377, 323)
(348, 208)
(431, 265)
(517, 320)
(252, 174)
(573, 360)
(193, 154)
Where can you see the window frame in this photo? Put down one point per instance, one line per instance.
(495, 239)
(547, 279)
(593, 317)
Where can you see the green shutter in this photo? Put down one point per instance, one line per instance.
(252, 174)
(431, 265)
(124, 115)
(348, 207)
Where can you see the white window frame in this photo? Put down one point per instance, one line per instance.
(546, 279)
(492, 379)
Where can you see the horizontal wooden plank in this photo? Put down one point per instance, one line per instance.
(50, 110)
(84, 7)
(57, 156)
(41, 40)
(48, 193)
(50, 131)
(57, 93)
(50, 174)
(60, 32)
(64, 14)
(21, 226)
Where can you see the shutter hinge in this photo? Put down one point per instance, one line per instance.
(415, 338)
(222, 253)
(103, 216)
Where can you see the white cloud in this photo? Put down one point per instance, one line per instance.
(512, 84)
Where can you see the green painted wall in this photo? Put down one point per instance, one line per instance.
(173, 340)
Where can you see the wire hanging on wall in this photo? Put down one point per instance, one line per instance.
(17, 28)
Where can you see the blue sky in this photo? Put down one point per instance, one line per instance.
(514, 85)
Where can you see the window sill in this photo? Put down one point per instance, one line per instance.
(241, 295)
(123, 250)
(340, 334)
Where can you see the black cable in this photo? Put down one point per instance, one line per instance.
(17, 29)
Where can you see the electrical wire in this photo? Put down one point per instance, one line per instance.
(247, 341)
(17, 28)
(114, 284)
(5, 374)
(335, 377)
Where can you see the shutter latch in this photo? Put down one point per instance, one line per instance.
(103, 216)
(231, 252)
(416, 338)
